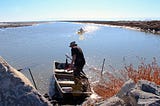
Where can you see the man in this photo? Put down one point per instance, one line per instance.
(78, 60)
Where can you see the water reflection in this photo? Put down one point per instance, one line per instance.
(83, 31)
(91, 28)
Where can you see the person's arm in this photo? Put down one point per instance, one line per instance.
(73, 60)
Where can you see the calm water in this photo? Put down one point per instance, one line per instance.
(38, 46)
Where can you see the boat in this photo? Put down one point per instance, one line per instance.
(69, 90)
(80, 31)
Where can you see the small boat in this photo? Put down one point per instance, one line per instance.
(81, 31)
(69, 89)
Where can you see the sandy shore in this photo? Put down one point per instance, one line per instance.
(19, 24)
(146, 26)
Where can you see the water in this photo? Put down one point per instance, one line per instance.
(36, 47)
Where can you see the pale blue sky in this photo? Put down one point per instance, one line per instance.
(43, 10)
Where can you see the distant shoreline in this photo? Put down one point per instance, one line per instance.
(19, 24)
(145, 26)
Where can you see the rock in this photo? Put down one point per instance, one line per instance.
(93, 100)
(149, 87)
(114, 101)
(144, 93)
(125, 90)
(16, 89)
(127, 87)
(145, 98)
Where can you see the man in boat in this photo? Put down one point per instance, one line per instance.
(81, 31)
(78, 60)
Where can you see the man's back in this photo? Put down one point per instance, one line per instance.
(79, 55)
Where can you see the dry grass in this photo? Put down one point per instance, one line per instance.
(106, 89)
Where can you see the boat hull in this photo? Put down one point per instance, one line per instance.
(70, 90)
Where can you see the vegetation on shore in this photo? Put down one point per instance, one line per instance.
(146, 26)
(111, 86)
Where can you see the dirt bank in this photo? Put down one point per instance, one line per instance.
(147, 26)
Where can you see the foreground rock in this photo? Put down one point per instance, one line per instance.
(144, 93)
(16, 89)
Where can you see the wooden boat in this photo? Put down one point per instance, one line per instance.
(69, 89)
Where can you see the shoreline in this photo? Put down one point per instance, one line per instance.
(144, 26)
(20, 24)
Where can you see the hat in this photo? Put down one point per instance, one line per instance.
(73, 44)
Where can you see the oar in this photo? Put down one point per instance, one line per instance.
(68, 56)
(71, 59)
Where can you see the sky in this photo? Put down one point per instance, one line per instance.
(52, 10)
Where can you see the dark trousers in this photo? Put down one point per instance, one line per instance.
(79, 69)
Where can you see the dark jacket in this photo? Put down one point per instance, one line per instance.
(80, 60)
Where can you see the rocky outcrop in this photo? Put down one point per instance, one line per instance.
(144, 93)
(16, 89)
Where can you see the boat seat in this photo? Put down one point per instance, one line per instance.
(66, 82)
(67, 89)
(63, 71)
